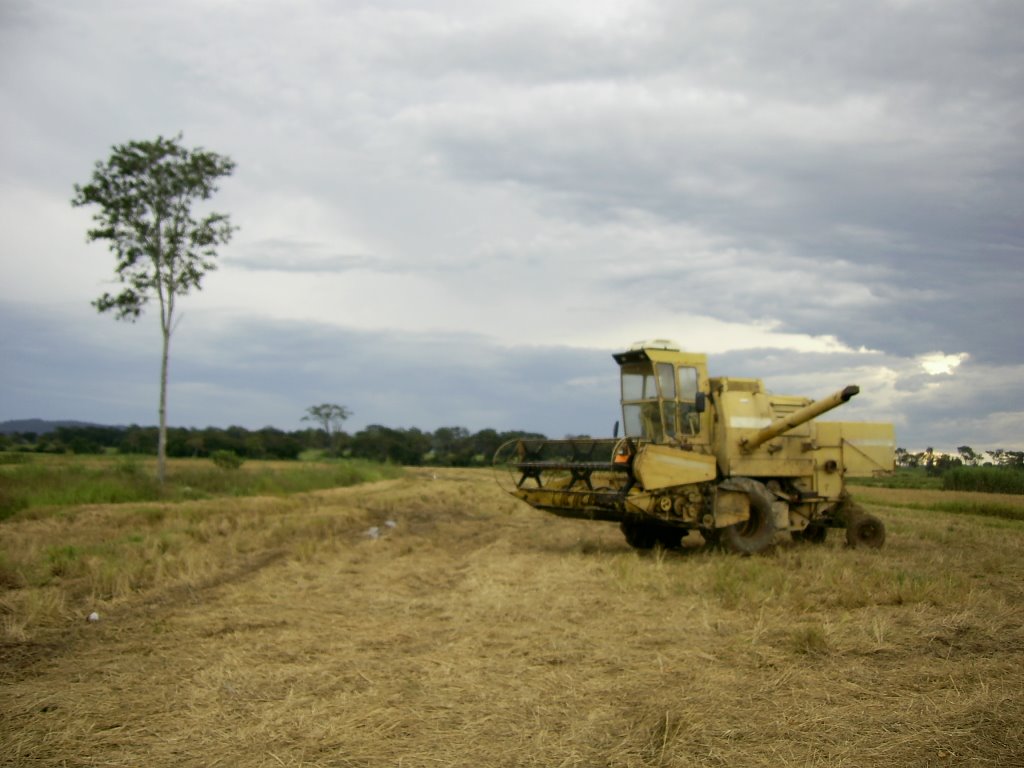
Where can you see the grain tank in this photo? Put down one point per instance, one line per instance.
(716, 455)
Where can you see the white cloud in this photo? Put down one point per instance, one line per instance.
(937, 363)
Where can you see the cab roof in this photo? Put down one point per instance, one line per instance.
(660, 351)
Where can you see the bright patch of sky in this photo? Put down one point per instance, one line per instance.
(938, 363)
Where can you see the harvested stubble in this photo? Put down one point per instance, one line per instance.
(478, 632)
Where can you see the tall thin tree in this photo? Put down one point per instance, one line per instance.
(145, 192)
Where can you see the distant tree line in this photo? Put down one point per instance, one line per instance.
(937, 463)
(446, 446)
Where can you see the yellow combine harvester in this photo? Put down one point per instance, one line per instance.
(716, 455)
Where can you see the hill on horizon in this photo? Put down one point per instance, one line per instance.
(41, 426)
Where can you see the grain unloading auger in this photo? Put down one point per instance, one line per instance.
(716, 455)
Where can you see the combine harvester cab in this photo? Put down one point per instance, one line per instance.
(716, 455)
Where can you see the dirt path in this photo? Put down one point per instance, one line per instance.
(477, 632)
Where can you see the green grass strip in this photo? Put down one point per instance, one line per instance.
(981, 509)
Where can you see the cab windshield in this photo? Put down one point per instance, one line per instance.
(659, 401)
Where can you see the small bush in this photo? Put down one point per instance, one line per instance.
(129, 467)
(11, 576)
(226, 459)
(64, 560)
(810, 640)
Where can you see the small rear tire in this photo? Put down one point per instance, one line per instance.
(865, 530)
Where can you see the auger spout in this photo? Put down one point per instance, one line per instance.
(797, 418)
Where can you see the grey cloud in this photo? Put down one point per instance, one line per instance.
(846, 170)
(402, 379)
(278, 255)
(930, 409)
(908, 158)
(57, 364)
(936, 235)
(256, 372)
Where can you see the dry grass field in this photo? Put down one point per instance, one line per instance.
(478, 632)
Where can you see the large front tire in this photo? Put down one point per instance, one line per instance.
(756, 534)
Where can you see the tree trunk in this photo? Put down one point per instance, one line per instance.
(161, 445)
(165, 290)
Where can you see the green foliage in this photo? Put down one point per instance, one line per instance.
(932, 463)
(1003, 458)
(63, 482)
(63, 561)
(982, 508)
(60, 483)
(144, 194)
(985, 479)
(11, 575)
(266, 443)
(226, 459)
(398, 446)
(86, 438)
(329, 417)
(911, 477)
(959, 507)
(445, 447)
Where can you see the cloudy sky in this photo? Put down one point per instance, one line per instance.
(452, 213)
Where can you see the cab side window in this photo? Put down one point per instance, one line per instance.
(688, 417)
(640, 402)
(667, 385)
